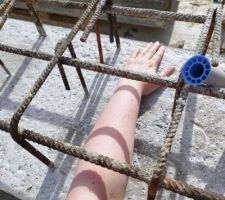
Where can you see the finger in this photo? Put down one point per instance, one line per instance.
(157, 58)
(135, 53)
(151, 51)
(165, 73)
(146, 49)
(168, 71)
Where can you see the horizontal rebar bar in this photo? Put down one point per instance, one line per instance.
(107, 69)
(189, 190)
(134, 12)
(65, 3)
(72, 150)
(112, 164)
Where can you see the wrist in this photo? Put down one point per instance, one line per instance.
(130, 87)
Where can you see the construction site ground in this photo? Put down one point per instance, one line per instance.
(198, 154)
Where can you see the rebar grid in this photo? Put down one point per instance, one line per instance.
(39, 82)
(156, 178)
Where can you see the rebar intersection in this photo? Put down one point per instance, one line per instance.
(156, 178)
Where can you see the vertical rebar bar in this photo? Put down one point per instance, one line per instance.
(61, 68)
(110, 20)
(63, 75)
(116, 32)
(34, 14)
(79, 72)
(206, 33)
(98, 38)
(178, 107)
(217, 37)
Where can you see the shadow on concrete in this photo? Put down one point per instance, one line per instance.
(5, 69)
(84, 117)
(6, 196)
(186, 141)
(19, 73)
(215, 176)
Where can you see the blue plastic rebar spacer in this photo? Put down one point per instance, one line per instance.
(196, 70)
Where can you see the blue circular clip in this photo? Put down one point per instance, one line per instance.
(196, 70)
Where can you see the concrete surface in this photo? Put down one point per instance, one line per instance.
(198, 154)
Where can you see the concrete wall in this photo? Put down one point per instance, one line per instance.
(68, 12)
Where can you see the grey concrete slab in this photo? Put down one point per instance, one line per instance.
(197, 156)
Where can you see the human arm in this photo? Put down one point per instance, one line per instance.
(113, 134)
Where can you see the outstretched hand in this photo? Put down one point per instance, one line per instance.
(147, 60)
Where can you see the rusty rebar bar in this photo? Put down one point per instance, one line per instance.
(39, 82)
(61, 68)
(65, 3)
(75, 151)
(189, 190)
(112, 164)
(134, 12)
(93, 20)
(206, 33)
(79, 72)
(99, 43)
(116, 32)
(156, 14)
(107, 69)
(6, 12)
(4, 5)
(63, 75)
(160, 170)
(217, 37)
(178, 107)
(110, 21)
(36, 19)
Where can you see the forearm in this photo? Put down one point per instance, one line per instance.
(118, 121)
(112, 136)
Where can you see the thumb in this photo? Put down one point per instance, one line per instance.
(168, 71)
